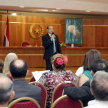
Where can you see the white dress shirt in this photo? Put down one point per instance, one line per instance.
(97, 104)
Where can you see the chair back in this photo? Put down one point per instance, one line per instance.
(25, 43)
(66, 102)
(32, 79)
(57, 92)
(24, 102)
(43, 94)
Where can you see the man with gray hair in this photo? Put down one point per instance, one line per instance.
(99, 89)
(6, 93)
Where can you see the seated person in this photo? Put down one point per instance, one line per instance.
(1, 66)
(8, 59)
(90, 56)
(6, 91)
(18, 72)
(58, 75)
(83, 93)
(99, 89)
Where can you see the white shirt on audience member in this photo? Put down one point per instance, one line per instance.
(79, 71)
(97, 104)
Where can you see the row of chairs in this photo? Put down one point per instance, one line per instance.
(61, 102)
(57, 92)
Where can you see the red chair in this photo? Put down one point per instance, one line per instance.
(43, 95)
(32, 79)
(27, 103)
(66, 102)
(57, 92)
(25, 43)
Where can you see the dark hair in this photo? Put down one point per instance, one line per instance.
(98, 65)
(99, 85)
(1, 66)
(18, 72)
(89, 57)
(47, 27)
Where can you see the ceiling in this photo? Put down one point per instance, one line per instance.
(96, 7)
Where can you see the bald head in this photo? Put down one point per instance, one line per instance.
(18, 69)
(19, 63)
(6, 87)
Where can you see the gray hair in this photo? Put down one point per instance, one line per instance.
(8, 59)
(6, 87)
(99, 85)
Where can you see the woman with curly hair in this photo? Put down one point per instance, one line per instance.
(59, 74)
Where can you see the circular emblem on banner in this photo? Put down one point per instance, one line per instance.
(36, 31)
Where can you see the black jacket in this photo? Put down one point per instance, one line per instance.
(23, 89)
(48, 45)
(80, 93)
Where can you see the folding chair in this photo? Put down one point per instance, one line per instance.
(57, 92)
(66, 102)
(24, 102)
(43, 95)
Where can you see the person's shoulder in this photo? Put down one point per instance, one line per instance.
(87, 72)
(34, 87)
(68, 71)
(86, 84)
(45, 35)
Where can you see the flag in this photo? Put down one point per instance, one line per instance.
(73, 31)
(6, 35)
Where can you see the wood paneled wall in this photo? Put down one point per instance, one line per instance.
(95, 31)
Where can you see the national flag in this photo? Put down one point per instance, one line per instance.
(6, 35)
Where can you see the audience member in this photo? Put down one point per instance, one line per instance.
(90, 56)
(83, 93)
(18, 72)
(58, 75)
(8, 59)
(6, 93)
(1, 66)
(99, 89)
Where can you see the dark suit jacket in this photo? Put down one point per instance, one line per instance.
(80, 93)
(48, 45)
(23, 89)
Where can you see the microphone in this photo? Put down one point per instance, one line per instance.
(52, 33)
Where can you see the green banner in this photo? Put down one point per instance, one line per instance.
(73, 31)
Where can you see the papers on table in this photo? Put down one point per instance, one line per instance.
(38, 74)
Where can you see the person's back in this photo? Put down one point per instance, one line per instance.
(23, 89)
(18, 71)
(99, 89)
(83, 93)
(58, 75)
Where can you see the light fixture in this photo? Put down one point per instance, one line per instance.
(88, 11)
(58, 8)
(54, 10)
(14, 14)
(21, 6)
(44, 9)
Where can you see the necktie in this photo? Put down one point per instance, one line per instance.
(54, 50)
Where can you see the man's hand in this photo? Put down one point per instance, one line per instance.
(52, 37)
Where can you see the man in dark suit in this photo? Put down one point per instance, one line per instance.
(18, 72)
(83, 93)
(51, 44)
